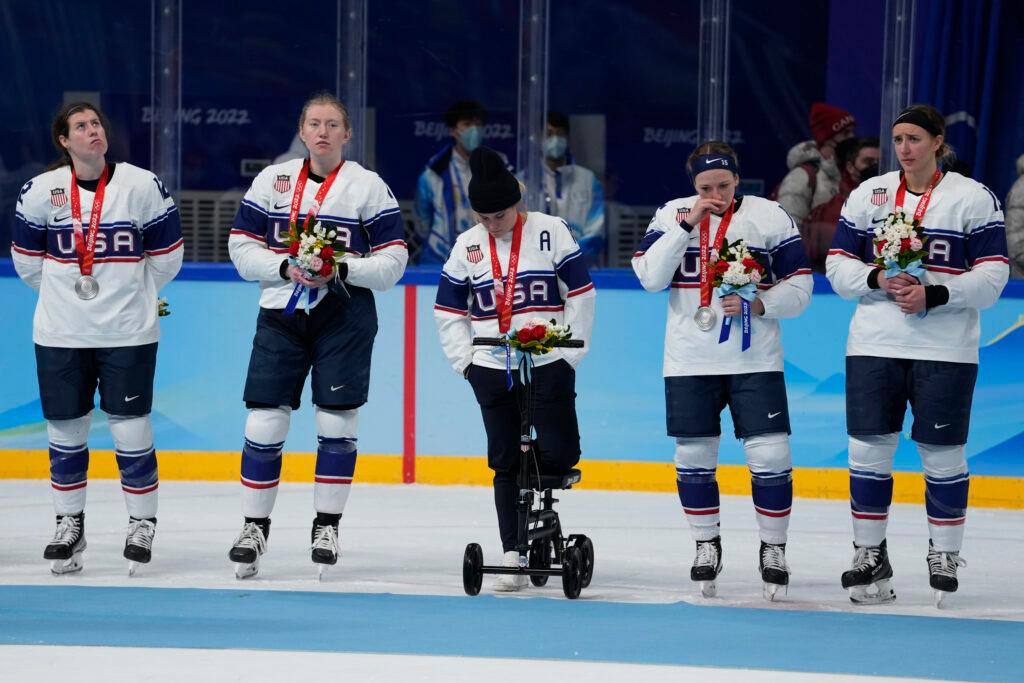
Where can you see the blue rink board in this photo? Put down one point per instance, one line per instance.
(537, 628)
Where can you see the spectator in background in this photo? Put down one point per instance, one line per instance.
(814, 175)
(572, 192)
(857, 159)
(1015, 222)
(442, 208)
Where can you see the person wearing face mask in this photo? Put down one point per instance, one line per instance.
(508, 268)
(98, 240)
(443, 210)
(707, 369)
(858, 161)
(331, 332)
(914, 339)
(815, 173)
(573, 192)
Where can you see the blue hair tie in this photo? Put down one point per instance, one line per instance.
(711, 162)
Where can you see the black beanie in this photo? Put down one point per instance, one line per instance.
(492, 187)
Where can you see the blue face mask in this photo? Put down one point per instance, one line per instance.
(471, 137)
(555, 146)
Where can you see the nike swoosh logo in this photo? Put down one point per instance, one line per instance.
(129, 399)
(62, 219)
(281, 206)
(880, 220)
(335, 388)
(938, 426)
(481, 276)
(772, 416)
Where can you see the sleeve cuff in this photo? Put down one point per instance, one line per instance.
(342, 271)
(873, 278)
(282, 270)
(935, 295)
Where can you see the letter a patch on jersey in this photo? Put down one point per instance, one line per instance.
(57, 197)
(283, 183)
(474, 254)
(879, 196)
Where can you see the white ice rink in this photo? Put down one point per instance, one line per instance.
(409, 540)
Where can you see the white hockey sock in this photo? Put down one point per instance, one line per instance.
(265, 432)
(335, 459)
(69, 463)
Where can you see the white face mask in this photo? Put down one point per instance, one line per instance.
(555, 147)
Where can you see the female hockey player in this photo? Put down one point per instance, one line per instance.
(705, 369)
(98, 240)
(914, 337)
(512, 266)
(331, 330)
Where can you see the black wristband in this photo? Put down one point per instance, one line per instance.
(342, 270)
(935, 295)
(873, 278)
(283, 270)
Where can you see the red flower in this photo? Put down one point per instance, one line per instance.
(752, 264)
(535, 333)
(721, 267)
(881, 244)
(905, 244)
(327, 269)
(293, 248)
(327, 253)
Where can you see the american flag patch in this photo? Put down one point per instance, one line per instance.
(57, 197)
(879, 196)
(681, 214)
(283, 183)
(474, 254)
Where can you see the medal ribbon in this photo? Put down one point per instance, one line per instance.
(314, 209)
(922, 204)
(85, 244)
(504, 293)
(705, 250)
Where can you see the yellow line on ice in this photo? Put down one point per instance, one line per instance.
(808, 482)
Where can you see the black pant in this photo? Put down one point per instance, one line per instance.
(557, 446)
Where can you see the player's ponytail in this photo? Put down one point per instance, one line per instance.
(59, 128)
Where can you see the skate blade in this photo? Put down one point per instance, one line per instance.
(770, 590)
(940, 598)
(244, 571)
(884, 593)
(68, 566)
(321, 570)
(708, 589)
(132, 566)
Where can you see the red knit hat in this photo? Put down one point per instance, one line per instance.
(827, 120)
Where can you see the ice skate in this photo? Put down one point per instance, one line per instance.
(707, 565)
(942, 572)
(138, 546)
(774, 570)
(68, 543)
(509, 583)
(869, 578)
(324, 543)
(249, 547)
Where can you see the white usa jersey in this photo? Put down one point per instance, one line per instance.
(668, 255)
(552, 282)
(138, 251)
(359, 206)
(966, 248)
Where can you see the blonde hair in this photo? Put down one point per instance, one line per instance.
(324, 97)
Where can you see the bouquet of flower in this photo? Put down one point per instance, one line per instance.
(735, 270)
(899, 245)
(311, 248)
(538, 336)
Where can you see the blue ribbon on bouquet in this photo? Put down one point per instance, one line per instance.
(748, 293)
(915, 268)
(293, 300)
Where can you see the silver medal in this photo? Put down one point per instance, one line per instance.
(87, 287)
(705, 318)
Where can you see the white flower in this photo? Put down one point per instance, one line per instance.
(534, 322)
